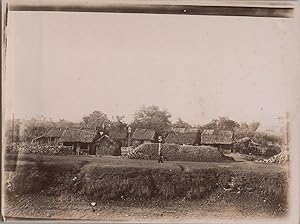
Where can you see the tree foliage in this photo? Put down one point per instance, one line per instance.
(118, 123)
(181, 124)
(247, 130)
(95, 120)
(265, 139)
(222, 123)
(35, 128)
(152, 117)
(12, 131)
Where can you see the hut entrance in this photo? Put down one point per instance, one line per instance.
(92, 150)
(101, 149)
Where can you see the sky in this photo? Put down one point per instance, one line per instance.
(66, 65)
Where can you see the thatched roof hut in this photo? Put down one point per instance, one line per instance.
(107, 146)
(247, 145)
(54, 133)
(144, 135)
(184, 138)
(50, 137)
(119, 134)
(216, 137)
(80, 135)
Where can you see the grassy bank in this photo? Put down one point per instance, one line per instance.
(261, 187)
(174, 152)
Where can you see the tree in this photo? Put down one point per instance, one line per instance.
(62, 123)
(152, 117)
(247, 130)
(118, 123)
(34, 131)
(181, 124)
(12, 131)
(95, 120)
(212, 125)
(253, 126)
(265, 139)
(35, 128)
(222, 123)
(227, 124)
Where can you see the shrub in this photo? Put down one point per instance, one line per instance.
(29, 148)
(175, 152)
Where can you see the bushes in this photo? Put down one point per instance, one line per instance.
(136, 155)
(49, 176)
(130, 184)
(28, 148)
(175, 152)
(102, 183)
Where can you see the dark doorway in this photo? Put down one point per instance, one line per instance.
(92, 150)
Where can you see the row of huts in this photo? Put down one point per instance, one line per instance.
(110, 142)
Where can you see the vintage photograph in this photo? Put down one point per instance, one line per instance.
(148, 113)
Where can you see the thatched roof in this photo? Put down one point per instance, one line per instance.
(183, 130)
(210, 136)
(247, 140)
(144, 134)
(186, 138)
(120, 134)
(79, 135)
(54, 132)
(37, 138)
(105, 137)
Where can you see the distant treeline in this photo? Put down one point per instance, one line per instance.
(150, 117)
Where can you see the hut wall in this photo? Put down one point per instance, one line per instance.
(136, 142)
(107, 148)
(123, 142)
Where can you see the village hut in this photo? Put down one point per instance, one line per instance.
(184, 138)
(141, 136)
(222, 139)
(246, 145)
(41, 140)
(120, 136)
(106, 146)
(80, 139)
(54, 135)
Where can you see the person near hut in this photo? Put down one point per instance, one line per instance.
(160, 158)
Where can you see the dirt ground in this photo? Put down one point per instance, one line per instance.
(40, 206)
(68, 206)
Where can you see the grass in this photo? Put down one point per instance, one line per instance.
(113, 161)
(118, 179)
(174, 152)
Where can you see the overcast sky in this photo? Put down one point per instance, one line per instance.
(66, 65)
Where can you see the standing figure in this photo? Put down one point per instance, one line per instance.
(160, 157)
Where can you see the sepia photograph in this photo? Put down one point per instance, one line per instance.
(150, 111)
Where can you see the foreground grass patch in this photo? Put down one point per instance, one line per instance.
(98, 181)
